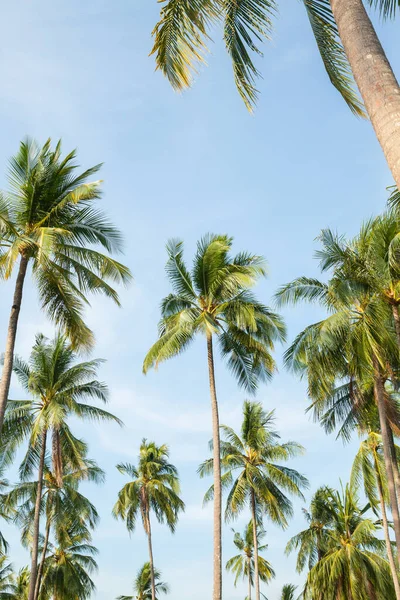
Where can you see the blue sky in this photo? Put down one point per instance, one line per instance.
(179, 166)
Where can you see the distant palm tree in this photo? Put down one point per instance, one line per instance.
(353, 563)
(21, 585)
(48, 220)
(6, 579)
(59, 387)
(215, 300)
(369, 469)
(242, 565)
(142, 585)
(253, 477)
(288, 591)
(155, 488)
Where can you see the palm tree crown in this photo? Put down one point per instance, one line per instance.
(242, 565)
(142, 585)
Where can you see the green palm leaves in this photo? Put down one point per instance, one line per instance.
(215, 298)
(142, 585)
(181, 36)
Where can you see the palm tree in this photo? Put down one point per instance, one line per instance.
(288, 592)
(21, 585)
(48, 222)
(355, 343)
(154, 488)
(142, 585)
(6, 578)
(59, 388)
(346, 39)
(369, 468)
(253, 476)
(353, 565)
(214, 299)
(242, 565)
(68, 568)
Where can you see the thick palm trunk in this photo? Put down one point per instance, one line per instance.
(386, 533)
(41, 565)
(11, 335)
(151, 560)
(374, 76)
(379, 393)
(36, 521)
(255, 544)
(217, 582)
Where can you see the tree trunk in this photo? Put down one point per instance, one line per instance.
(379, 392)
(41, 565)
(396, 318)
(395, 464)
(217, 584)
(249, 568)
(255, 544)
(374, 76)
(36, 521)
(151, 561)
(11, 335)
(386, 533)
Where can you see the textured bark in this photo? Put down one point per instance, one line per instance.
(379, 392)
(41, 565)
(386, 533)
(396, 318)
(374, 76)
(395, 464)
(57, 457)
(11, 335)
(217, 581)
(249, 577)
(255, 544)
(36, 521)
(151, 560)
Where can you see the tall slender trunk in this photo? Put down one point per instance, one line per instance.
(396, 318)
(255, 544)
(11, 335)
(379, 392)
(249, 577)
(386, 533)
(395, 464)
(151, 560)
(217, 582)
(374, 76)
(36, 521)
(42, 560)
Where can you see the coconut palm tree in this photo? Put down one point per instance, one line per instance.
(288, 592)
(49, 223)
(154, 489)
(357, 344)
(346, 39)
(214, 299)
(251, 473)
(242, 565)
(21, 585)
(6, 579)
(353, 564)
(69, 567)
(369, 469)
(142, 585)
(59, 388)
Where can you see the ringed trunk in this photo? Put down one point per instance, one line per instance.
(11, 335)
(36, 521)
(374, 76)
(151, 561)
(386, 533)
(255, 544)
(379, 392)
(217, 580)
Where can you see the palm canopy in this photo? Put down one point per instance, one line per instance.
(142, 585)
(6, 579)
(215, 298)
(154, 486)
(353, 562)
(182, 33)
(368, 470)
(60, 388)
(242, 565)
(248, 462)
(288, 592)
(49, 218)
